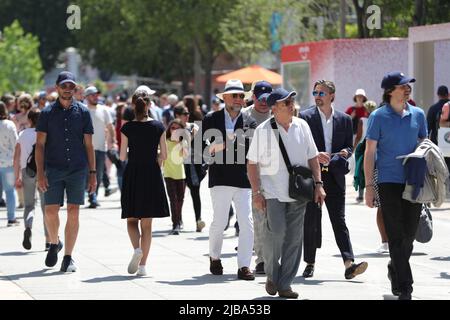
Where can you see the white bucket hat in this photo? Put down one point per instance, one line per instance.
(234, 86)
(360, 92)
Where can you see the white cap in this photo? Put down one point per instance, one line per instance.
(146, 89)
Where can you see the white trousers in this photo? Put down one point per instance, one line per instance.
(221, 197)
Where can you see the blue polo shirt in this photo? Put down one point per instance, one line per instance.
(65, 129)
(396, 136)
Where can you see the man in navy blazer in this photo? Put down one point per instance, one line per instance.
(227, 134)
(333, 135)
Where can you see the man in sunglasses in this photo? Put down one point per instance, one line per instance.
(226, 139)
(64, 153)
(333, 134)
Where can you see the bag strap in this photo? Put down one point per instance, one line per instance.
(281, 144)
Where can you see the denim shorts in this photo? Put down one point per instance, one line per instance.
(73, 181)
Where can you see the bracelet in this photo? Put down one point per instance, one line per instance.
(92, 172)
(319, 182)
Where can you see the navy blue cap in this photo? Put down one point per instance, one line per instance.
(395, 78)
(65, 77)
(262, 87)
(277, 95)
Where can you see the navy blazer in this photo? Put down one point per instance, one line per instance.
(342, 133)
(229, 174)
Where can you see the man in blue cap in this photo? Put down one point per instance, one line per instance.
(64, 153)
(259, 111)
(333, 135)
(394, 130)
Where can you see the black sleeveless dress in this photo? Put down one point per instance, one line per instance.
(143, 192)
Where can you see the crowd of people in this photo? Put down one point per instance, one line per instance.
(247, 143)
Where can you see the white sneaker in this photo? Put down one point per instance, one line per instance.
(141, 271)
(134, 263)
(384, 248)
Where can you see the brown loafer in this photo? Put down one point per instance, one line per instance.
(244, 273)
(215, 266)
(288, 294)
(271, 288)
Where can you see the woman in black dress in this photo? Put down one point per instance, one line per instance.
(143, 194)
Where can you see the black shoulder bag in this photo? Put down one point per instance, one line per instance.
(301, 182)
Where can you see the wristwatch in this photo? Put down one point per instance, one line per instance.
(319, 182)
(92, 172)
(258, 192)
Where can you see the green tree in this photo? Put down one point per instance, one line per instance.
(20, 64)
(44, 18)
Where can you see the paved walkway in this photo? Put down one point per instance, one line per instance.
(179, 267)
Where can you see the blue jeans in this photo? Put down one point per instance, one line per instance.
(7, 177)
(100, 157)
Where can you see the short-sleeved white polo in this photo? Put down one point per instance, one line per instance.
(264, 150)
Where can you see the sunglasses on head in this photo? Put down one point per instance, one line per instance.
(319, 93)
(238, 95)
(69, 86)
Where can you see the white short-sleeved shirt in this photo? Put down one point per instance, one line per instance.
(101, 117)
(265, 151)
(8, 140)
(27, 139)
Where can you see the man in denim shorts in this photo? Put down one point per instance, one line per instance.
(64, 149)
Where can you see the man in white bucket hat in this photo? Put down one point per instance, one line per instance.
(228, 143)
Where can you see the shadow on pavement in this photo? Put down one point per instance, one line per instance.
(445, 275)
(111, 279)
(389, 297)
(34, 274)
(441, 259)
(17, 254)
(301, 280)
(205, 279)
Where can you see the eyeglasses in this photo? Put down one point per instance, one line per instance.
(185, 113)
(319, 93)
(65, 86)
(238, 95)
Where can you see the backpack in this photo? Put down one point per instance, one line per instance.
(31, 163)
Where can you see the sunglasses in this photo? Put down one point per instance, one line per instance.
(319, 93)
(185, 113)
(69, 86)
(175, 128)
(238, 95)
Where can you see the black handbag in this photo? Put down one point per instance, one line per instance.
(301, 182)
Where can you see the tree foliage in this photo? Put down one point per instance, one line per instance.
(20, 64)
(44, 18)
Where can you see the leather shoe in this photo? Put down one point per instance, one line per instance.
(309, 271)
(271, 288)
(393, 279)
(215, 266)
(244, 273)
(288, 294)
(355, 269)
(259, 269)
